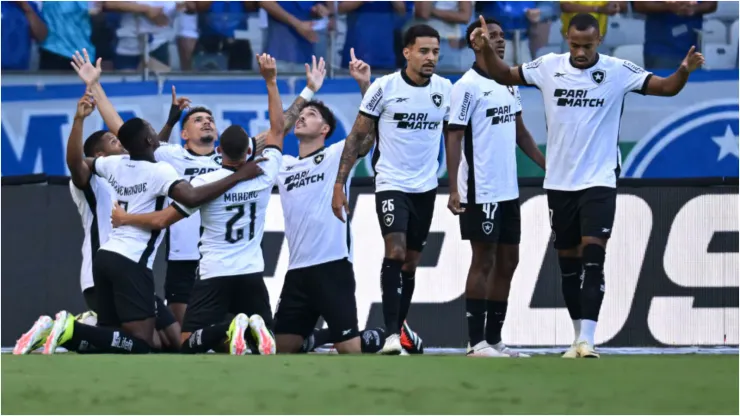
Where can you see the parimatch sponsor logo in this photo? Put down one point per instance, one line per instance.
(576, 98)
(302, 179)
(415, 121)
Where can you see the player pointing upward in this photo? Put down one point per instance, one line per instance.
(410, 108)
(584, 94)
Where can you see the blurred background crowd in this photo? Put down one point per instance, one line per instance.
(220, 35)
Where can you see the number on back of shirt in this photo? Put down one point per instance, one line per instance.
(387, 205)
(489, 210)
(234, 235)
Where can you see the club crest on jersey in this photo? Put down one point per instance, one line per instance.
(218, 159)
(487, 227)
(388, 219)
(511, 89)
(318, 158)
(598, 76)
(437, 99)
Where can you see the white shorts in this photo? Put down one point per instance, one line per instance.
(186, 25)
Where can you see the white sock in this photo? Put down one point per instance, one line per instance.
(588, 329)
(576, 328)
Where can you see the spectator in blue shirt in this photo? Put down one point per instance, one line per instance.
(69, 31)
(671, 29)
(373, 31)
(21, 23)
(217, 22)
(292, 36)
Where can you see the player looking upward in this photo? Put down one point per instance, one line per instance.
(486, 122)
(583, 92)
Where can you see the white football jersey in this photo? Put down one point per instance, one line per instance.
(234, 223)
(94, 203)
(409, 121)
(182, 237)
(140, 187)
(583, 108)
(487, 111)
(306, 185)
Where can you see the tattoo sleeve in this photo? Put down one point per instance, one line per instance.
(291, 116)
(360, 131)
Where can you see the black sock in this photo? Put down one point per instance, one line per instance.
(407, 292)
(391, 284)
(570, 272)
(592, 289)
(105, 340)
(205, 339)
(372, 340)
(476, 312)
(495, 316)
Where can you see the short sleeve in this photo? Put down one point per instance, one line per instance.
(270, 167)
(372, 103)
(462, 105)
(103, 166)
(167, 152)
(518, 105)
(165, 180)
(533, 73)
(188, 211)
(634, 78)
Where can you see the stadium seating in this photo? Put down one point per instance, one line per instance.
(631, 53)
(734, 34)
(555, 37)
(547, 49)
(726, 11)
(719, 55)
(624, 31)
(525, 54)
(714, 31)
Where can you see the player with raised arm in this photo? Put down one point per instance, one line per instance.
(411, 109)
(320, 279)
(198, 156)
(230, 271)
(122, 268)
(486, 122)
(93, 197)
(583, 92)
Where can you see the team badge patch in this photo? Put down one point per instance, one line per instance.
(598, 76)
(318, 158)
(437, 99)
(487, 227)
(388, 220)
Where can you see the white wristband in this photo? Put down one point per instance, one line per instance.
(307, 94)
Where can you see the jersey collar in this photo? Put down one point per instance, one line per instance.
(412, 83)
(231, 168)
(479, 71)
(198, 155)
(570, 62)
(314, 153)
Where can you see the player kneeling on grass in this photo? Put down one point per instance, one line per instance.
(231, 267)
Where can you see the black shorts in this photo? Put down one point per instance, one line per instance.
(496, 222)
(124, 289)
(585, 213)
(411, 214)
(91, 299)
(325, 290)
(179, 280)
(212, 299)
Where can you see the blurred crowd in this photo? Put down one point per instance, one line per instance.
(222, 35)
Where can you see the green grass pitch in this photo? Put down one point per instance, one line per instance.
(326, 384)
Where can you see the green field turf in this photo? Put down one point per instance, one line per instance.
(311, 384)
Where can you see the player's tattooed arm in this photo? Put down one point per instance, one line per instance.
(499, 70)
(525, 142)
(190, 196)
(176, 108)
(156, 220)
(362, 129)
(673, 84)
(79, 169)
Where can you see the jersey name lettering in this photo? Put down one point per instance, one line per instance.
(241, 196)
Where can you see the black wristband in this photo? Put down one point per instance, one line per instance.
(174, 116)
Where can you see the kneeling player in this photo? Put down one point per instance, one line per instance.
(230, 270)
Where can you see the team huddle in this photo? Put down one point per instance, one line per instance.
(133, 190)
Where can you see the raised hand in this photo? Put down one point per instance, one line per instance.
(480, 36)
(693, 60)
(268, 67)
(315, 74)
(87, 72)
(182, 102)
(358, 69)
(85, 106)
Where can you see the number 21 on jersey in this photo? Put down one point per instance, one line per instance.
(234, 235)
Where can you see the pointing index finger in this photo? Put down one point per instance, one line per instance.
(352, 55)
(483, 25)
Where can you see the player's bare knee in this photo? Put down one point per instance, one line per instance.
(350, 346)
(506, 264)
(288, 343)
(484, 258)
(570, 252)
(412, 261)
(395, 246)
(601, 242)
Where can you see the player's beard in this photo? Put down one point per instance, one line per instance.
(424, 74)
(207, 140)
